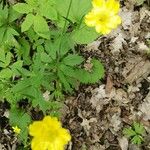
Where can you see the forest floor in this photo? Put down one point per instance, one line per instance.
(97, 114)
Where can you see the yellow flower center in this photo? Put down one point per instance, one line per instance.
(103, 18)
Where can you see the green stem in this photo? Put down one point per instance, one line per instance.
(64, 28)
(67, 16)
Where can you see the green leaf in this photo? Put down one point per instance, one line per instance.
(22, 8)
(21, 85)
(13, 15)
(29, 20)
(72, 60)
(51, 48)
(48, 11)
(41, 27)
(45, 57)
(2, 55)
(16, 67)
(77, 11)
(137, 139)
(84, 35)
(140, 2)
(96, 73)
(2, 31)
(68, 71)
(129, 132)
(139, 128)
(22, 120)
(64, 81)
(25, 50)
(8, 59)
(5, 73)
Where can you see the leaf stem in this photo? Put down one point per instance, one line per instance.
(67, 16)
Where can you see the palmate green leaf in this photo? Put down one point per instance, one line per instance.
(2, 55)
(22, 8)
(15, 67)
(139, 128)
(77, 11)
(13, 15)
(2, 31)
(137, 139)
(3, 12)
(64, 81)
(72, 60)
(6, 29)
(45, 58)
(51, 48)
(48, 11)
(29, 20)
(129, 132)
(140, 2)
(5, 73)
(24, 48)
(97, 73)
(84, 35)
(5, 58)
(7, 35)
(68, 71)
(41, 27)
(22, 120)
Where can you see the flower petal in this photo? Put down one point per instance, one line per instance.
(98, 3)
(114, 22)
(113, 5)
(90, 19)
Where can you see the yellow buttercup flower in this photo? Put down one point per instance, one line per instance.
(48, 134)
(16, 129)
(103, 16)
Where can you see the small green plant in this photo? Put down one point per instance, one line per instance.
(135, 133)
(39, 52)
(140, 2)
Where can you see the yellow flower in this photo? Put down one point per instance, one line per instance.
(48, 134)
(16, 129)
(103, 16)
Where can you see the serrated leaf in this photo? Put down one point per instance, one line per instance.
(72, 60)
(77, 11)
(2, 31)
(68, 71)
(45, 57)
(140, 2)
(16, 67)
(48, 11)
(137, 139)
(22, 8)
(139, 128)
(129, 132)
(51, 48)
(21, 85)
(22, 120)
(97, 73)
(25, 50)
(13, 15)
(84, 35)
(64, 81)
(41, 27)
(5, 73)
(2, 55)
(29, 20)
(8, 59)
